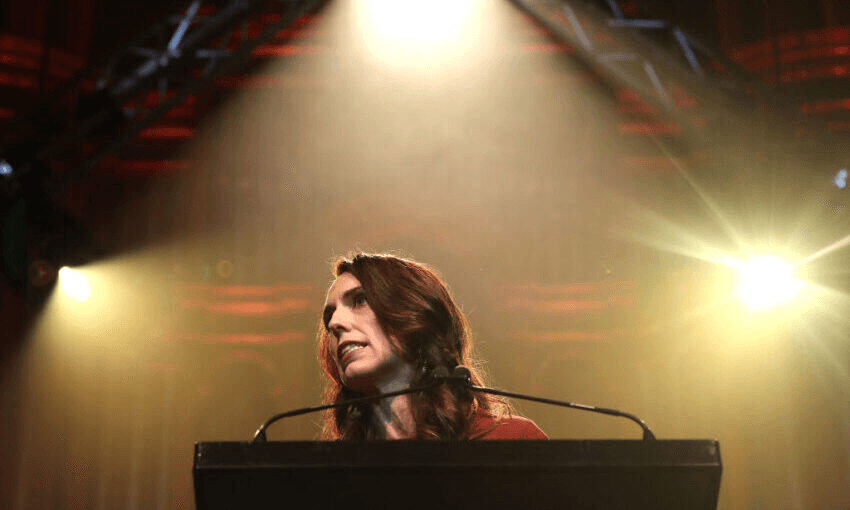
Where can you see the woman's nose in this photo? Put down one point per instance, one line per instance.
(340, 321)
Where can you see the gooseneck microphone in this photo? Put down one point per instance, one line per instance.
(438, 376)
(462, 375)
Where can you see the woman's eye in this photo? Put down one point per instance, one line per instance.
(359, 299)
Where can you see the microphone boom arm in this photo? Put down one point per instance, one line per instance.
(647, 434)
(460, 375)
(260, 434)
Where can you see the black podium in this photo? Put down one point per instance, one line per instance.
(469, 475)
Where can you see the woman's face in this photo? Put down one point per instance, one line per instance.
(365, 358)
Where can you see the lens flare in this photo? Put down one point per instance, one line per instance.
(74, 284)
(766, 282)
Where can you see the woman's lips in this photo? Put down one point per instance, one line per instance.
(347, 349)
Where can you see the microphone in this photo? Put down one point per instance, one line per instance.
(461, 374)
(438, 376)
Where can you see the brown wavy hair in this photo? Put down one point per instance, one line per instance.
(418, 314)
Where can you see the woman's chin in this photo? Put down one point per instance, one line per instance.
(368, 379)
(358, 381)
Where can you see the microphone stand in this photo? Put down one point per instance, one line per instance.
(461, 374)
(260, 434)
(647, 434)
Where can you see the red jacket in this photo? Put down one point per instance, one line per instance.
(507, 427)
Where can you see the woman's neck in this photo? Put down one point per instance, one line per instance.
(393, 418)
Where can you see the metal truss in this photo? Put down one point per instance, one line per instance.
(652, 56)
(102, 108)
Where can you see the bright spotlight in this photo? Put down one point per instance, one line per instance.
(406, 35)
(432, 20)
(74, 284)
(767, 281)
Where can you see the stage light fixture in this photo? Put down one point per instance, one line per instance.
(766, 281)
(74, 284)
(41, 273)
(5, 168)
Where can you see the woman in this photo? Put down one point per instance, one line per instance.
(387, 323)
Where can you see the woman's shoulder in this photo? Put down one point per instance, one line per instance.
(505, 427)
